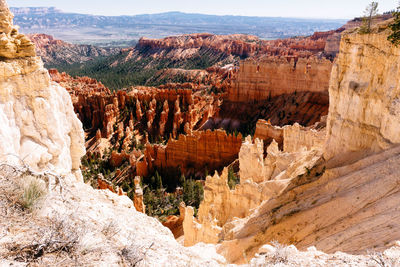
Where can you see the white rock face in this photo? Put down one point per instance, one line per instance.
(40, 128)
(39, 125)
(364, 111)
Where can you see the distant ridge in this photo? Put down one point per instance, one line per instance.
(122, 30)
(34, 10)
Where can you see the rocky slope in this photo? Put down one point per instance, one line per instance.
(73, 224)
(56, 52)
(353, 171)
(40, 128)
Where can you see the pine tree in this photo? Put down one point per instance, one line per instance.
(158, 181)
(370, 12)
(394, 37)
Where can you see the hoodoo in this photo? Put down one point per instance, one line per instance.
(81, 165)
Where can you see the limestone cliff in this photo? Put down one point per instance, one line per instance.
(364, 96)
(342, 194)
(38, 125)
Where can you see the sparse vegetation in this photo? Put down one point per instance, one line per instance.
(370, 12)
(394, 37)
(233, 179)
(280, 255)
(57, 237)
(33, 191)
(382, 260)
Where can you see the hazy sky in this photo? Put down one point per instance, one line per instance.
(268, 8)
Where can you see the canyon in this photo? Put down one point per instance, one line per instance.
(324, 138)
(57, 52)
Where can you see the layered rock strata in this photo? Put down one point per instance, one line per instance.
(196, 152)
(272, 76)
(42, 139)
(354, 173)
(236, 44)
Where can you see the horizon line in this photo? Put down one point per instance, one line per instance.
(188, 13)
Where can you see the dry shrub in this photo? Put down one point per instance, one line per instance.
(382, 260)
(281, 253)
(56, 237)
(33, 190)
(132, 255)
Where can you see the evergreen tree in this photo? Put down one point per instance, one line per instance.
(370, 12)
(158, 181)
(394, 37)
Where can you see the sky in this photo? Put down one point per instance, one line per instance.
(343, 9)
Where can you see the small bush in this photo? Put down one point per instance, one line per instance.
(132, 255)
(281, 253)
(58, 237)
(394, 37)
(233, 180)
(382, 260)
(33, 191)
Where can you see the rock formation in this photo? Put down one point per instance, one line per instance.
(292, 138)
(333, 41)
(138, 196)
(147, 109)
(42, 137)
(38, 125)
(197, 152)
(175, 223)
(272, 76)
(261, 178)
(236, 45)
(354, 173)
(13, 44)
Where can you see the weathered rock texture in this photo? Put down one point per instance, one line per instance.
(195, 152)
(272, 76)
(39, 126)
(343, 196)
(363, 95)
(12, 43)
(236, 44)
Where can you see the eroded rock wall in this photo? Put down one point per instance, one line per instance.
(354, 174)
(259, 80)
(364, 96)
(195, 152)
(38, 122)
(39, 126)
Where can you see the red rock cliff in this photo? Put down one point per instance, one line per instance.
(259, 80)
(195, 152)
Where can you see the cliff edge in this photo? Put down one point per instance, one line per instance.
(48, 216)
